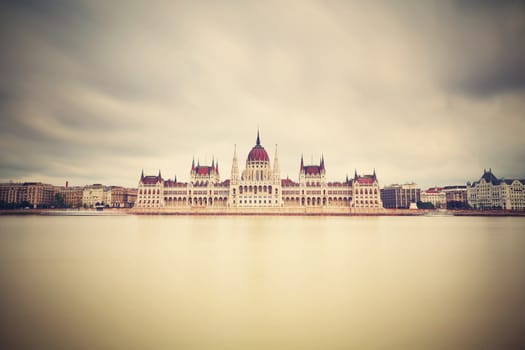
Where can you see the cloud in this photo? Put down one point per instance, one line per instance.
(95, 91)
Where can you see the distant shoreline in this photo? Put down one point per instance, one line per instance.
(226, 212)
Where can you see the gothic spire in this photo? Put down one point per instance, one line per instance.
(258, 141)
(276, 167)
(235, 167)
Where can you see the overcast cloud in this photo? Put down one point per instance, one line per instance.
(424, 91)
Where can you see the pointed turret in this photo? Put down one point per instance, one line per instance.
(276, 167)
(193, 164)
(235, 167)
(302, 163)
(322, 162)
(142, 175)
(355, 174)
(217, 167)
(258, 141)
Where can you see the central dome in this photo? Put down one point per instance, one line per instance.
(258, 153)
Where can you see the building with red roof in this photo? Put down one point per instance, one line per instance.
(436, 196)
(367, 194)
(259, 185)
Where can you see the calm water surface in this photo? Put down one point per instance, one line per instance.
(166, 282)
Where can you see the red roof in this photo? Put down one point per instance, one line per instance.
(203, 170)
(434, 190)
(150, 180)
(365, 180)
(258, 153)
(288, 182)
(312, 169)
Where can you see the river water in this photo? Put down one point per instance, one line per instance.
(183, 282)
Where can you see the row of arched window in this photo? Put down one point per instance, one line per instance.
(255, 189)
(365, 191)
(149, 191)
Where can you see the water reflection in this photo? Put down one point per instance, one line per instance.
(262, 282)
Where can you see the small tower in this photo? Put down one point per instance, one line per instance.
(235, 168)
(276, 168)
(322, 170)
(301, 172)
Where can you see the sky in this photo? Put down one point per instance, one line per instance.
(430, 92)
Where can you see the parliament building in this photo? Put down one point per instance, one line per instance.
(258, 188)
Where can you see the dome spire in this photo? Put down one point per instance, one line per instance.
(258, 141)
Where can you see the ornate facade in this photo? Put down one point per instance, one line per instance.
(489, 192)
(258, 186)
